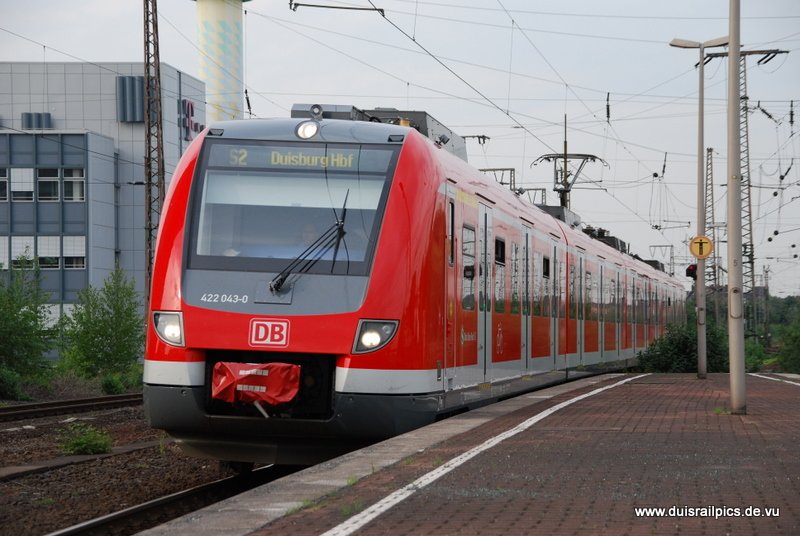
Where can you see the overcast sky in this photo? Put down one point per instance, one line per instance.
(510, 64)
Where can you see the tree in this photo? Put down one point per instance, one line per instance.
(24, 334)
(105, 332)
(789, 353)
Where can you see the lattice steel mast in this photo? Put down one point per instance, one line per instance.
(712, 263)
(154, 138)
(748, 251)
(748, 268)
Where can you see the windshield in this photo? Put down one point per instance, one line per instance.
(260, 206)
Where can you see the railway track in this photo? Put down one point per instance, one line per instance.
(161, 510)
(47, 409)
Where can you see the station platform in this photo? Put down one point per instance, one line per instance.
(612, 454)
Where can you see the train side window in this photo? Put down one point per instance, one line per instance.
(588, 297)
(468, 274)
(515, 276)
(500, 275)
(611, 301)
(500, 251)
(451, 228)
(574, 292)
(546, 267)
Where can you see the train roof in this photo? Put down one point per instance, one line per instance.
(333, 131)
(346, 124)
(553, 220)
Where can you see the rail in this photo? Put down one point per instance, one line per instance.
(60, 407)
(163, 509)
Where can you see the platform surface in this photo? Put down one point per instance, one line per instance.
(617, 454)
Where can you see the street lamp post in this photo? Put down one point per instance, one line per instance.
(700, 282)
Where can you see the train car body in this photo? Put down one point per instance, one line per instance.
(377, 281)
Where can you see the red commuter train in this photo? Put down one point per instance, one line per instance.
(322, 283)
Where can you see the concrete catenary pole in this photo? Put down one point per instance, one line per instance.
(735, 274)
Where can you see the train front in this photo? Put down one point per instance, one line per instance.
(263, 261)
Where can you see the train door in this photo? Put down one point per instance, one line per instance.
(602, 311)
(451, 294)
(580, 317)
(525, 349)
(485, 289)
(559, 327)
(619, 308)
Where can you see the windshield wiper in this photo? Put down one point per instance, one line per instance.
(329, 239)
(319, 247)
(340, 231)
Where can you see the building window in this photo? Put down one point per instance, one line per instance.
(74, 252)
(48, 251)
(52, 313)
(47, 184)
(74, 190)
(74, 263)
(22, 184)
(3, 184)
(47, 190)
(21, 246)
(3, 253)
(74, 184)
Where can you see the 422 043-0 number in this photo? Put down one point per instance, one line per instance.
(214, 297)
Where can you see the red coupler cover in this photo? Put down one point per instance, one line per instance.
(273, 383)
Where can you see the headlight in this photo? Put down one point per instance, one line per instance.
(307, 129)
(169, 327)
(373, 334)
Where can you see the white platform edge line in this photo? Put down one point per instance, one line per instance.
(359, 520)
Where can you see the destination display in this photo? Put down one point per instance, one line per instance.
(266, 156)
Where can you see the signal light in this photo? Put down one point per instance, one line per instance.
(691, 271)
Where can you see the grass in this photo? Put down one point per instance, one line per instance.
(302, 506)
(82, 438)
(352, 508)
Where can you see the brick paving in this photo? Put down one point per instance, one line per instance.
(665, 440)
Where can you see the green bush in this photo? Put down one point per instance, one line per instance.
(10, 385)
(112, 384)
(789, 353)
(133, 377)
(754, 355)
(676, 351)
(85, 439)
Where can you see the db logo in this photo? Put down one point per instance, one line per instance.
(269, 332)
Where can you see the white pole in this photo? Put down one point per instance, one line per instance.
(735, 276)
(700, 282)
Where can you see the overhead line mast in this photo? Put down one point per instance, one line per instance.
(713, 263)
(154, 139)
(748, 248)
